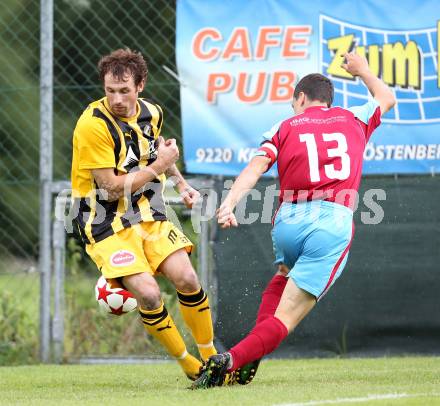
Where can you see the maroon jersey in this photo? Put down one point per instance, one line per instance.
(320, 152)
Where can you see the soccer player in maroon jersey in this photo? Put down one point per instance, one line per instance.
(319, 153)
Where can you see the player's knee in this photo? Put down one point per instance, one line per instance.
(150, 297)
(188, 282)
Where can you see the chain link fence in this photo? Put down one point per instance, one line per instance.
(19, 180)
(82, 31)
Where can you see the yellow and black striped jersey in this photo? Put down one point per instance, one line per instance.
(102, 140)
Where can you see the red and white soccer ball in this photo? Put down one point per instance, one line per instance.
(113, 298)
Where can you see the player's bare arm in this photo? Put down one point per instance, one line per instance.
(247, 179)
(117, 186)
(357, 65)
(189, 195)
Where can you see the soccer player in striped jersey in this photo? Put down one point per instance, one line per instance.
(118, 172)
(319, 153)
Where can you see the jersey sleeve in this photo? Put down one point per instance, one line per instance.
(368, 116)
(269, 144)
(96, 148)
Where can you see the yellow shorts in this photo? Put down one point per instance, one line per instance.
(139, 248)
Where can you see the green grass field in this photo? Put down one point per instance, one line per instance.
(389, 381)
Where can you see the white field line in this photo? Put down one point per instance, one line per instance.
(358, 400)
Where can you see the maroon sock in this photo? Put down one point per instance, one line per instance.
(264, 338)
(271, 297)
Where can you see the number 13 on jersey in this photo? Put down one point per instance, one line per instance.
(339, 152)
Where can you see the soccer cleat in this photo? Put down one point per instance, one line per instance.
(215, 372)
(230, 379)
(246, 373)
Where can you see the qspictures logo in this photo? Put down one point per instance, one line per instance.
(408, 61)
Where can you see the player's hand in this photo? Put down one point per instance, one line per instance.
(168, 142)
(226, 217)
(355, 64)
(189, 195)
(167, 152)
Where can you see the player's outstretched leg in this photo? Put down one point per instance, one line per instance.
(245, 373)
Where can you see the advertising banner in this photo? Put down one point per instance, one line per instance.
(238, 63)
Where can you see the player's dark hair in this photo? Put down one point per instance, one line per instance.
(316, 87)
(121, 62)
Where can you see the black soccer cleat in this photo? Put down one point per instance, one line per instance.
(246, 373)
(215, 372)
